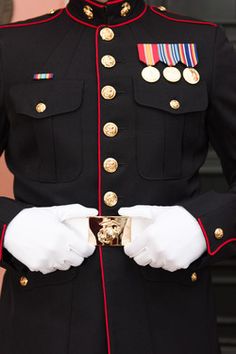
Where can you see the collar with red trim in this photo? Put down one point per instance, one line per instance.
(113, 12)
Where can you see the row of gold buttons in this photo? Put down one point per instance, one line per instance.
(110, 129)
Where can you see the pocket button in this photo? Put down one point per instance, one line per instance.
(194, 277)
(41, 107)
(175, 104)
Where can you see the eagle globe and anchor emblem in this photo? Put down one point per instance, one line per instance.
(110, 230)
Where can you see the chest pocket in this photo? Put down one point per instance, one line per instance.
(46, 136)
(168, 121)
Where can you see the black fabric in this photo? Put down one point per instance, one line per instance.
(53, 156)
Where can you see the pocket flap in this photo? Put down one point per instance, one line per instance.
(37, 279)
(57, 97)
(192, 98)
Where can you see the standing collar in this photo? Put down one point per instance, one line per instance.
(114, 12)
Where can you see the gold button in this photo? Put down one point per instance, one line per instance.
(108, 61)
(52, 11)
(108, 92)
(110, 199)
(162, 8)
(107, 34)
(88, 11)
(175, 104)
(194, 277)
(125, 9)
(110, 165)
(219, 233)
(24, 281)
(41, 107)
(110, 129)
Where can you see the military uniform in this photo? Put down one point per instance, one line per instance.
(79, 124)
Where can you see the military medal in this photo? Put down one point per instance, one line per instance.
(191, 75)
(148, 54)
(189, 57)
(150, 74)
(169, 56)
(172, 74)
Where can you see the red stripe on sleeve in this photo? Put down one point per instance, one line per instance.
(2, 240)
(210, 252)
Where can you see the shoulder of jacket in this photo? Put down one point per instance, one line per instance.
(178, 18)
(52, 15)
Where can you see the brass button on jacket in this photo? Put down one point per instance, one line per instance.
(107, 34)
(108, 92)
(219, 233)
(41, 107)
(194, 277)
(110, 199)
(88, 11)
(108, 61)
(175, 104)
(162, 8)
(24, 281)
(110, 129)
(110, 165)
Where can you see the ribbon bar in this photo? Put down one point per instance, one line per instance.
(43, 76)
(168, 53)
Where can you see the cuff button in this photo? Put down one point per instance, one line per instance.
(23, 281)
(194, 277)
(219, 233)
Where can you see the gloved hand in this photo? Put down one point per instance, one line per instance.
(164, 237)
(46, 239)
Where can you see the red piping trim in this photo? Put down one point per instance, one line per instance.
(95, 4)
(105, 301)
(2, 240)
(111, 2)
(212, 253)
(184, 21)
(77, 20)
(32, 23)
(100, 191)
(111, 26)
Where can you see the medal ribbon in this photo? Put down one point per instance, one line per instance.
(169, 54)
(188, 54)
(148, 53)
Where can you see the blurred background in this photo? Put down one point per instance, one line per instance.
(223, 13)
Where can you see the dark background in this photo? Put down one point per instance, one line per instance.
(224, 274)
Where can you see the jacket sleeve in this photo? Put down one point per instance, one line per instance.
(216, 212)
(9, 208)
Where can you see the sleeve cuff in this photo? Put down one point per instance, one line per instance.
(216, 238)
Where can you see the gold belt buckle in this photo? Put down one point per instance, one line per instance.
(109, 230)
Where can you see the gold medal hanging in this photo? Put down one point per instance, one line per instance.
(172, 74)
(191, 76)
(151, 74)
(148, 54)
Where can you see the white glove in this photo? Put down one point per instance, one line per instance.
(46, 239)
(164, 237)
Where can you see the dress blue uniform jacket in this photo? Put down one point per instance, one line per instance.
(57, 133)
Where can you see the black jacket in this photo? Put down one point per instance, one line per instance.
(56, 152)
